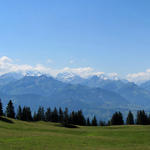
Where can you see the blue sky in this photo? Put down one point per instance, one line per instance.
(108, 35)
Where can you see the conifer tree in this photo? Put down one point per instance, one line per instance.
(41, 114)
(94, 121)
(61, 115)
(73, 118)
(10, 110)
(55, 115)
(81, 120)
(66, 117)
(1, 108)
(117, 119)
(130, 119)
(88, 123)
(48, 115)
(26, 114)
(19, 115)
(142, 118)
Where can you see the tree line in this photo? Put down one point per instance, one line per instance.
(71, 118)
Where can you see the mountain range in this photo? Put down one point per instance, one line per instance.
(95, 95)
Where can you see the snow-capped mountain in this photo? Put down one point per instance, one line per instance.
(73, 78)
(95, 91)
(69, 78)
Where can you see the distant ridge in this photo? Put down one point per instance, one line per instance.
(92, 95)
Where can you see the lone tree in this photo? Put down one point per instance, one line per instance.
(130, 119)
(1, 108)
(117, 119)
(10, 110)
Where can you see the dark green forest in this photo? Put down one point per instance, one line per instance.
(68, 119)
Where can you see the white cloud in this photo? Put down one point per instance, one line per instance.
(113, 76)
(5, 59)
(139, 77)
(7, 65)
(83, 72)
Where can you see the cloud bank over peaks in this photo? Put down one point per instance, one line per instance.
(139, 77)
(8, 65)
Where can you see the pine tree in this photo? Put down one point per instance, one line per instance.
(94, 121)
(73, 118)
(117, 119)
(61, 115)
(55, 115)
(41, 114)
(1, 108)
(10, 110)
(19, 115)
(66, 117)
(142, 118)
(81, 120)
(26, 114)
(48, 115)
(88, 123)
(29, 114)
(130, 119)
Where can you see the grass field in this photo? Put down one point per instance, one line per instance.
(49, 136)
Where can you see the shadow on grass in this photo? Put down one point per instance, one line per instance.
(6, 120)
(67, 126)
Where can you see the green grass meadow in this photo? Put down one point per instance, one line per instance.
(50, 136)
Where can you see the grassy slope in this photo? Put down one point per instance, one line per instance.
(48, 136)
